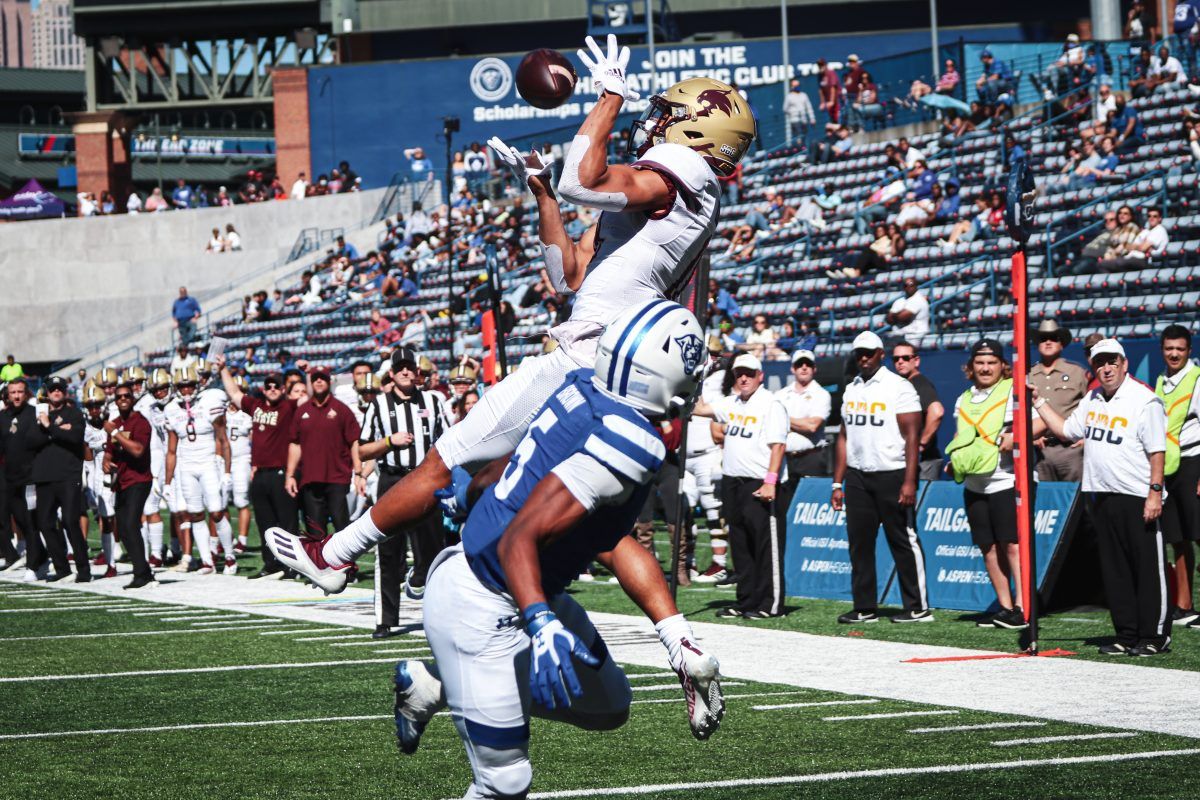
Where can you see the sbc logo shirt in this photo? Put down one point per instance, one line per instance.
(869, 409)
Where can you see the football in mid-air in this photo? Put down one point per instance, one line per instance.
(545, 78)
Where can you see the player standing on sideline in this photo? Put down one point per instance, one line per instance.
(1125, 427)
(876, 459)
(1181, 509)
(98, 484)
(658, 215)
(152, 405)
(567, 496)
(704, 470)
(239, 428)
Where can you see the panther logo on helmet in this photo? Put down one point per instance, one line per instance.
(701, 114)
(691, 350)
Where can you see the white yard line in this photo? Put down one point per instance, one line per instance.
(892, 715)
(828, 777)
(294, 632)
(331, 638)
(985, 726)
(417, 651)
(198, 617)
(816, 704)
(139, 633)
(170, 611)
(638, 675)
(747, 695)
(662, 687)
(256, 621)
(193, 670)
(1078, 737)
(63, 608)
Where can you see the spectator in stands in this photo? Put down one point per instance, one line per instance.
(312, 294)
(760, 338)
(1191, 136)
(11, 369)
(156, 202)
(997, 78)
(907, 362)
(382, 330)
(799, 112)
(475, 161)
(812, 210)
(731, 191)
(133, 205)
(865, 106)
(1167, 71)
(1062, 76)
(183, 195)
(852, 83)
(233, 239)
(1142, 80)
(873, 257)
(987, 222)
(730, 338)
(918, 205)
(1103, 103)
(1150, 242)
(948, 207)
(948, 83)
(909, 315)
(1092, 253)
(1137, 21)
(422, 167)
(216, 244)
(908, 154)
(347, 250)
(300, 187)
(829, 90)
(836, 144)
(881, 201)
(720, 302)
(185, 311)
(981, 459)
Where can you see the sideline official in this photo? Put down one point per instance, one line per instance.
(17, 422)
(1063, 383)
(1181, 509)
(876, 460)
(323, 457)
(808, 406)
(58, 476)
(756, 427)
(271, 418)
(399, 429)
(1125, 427)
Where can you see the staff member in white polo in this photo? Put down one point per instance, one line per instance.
(808, 406)
(756, 427)
(876, 459)
(1181, 507)
(1124, 426)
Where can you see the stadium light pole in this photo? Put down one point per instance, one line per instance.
(933, 36)
(783, 41)
(450, 126)
(650, 47)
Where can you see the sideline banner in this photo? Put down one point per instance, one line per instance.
(817, 560)
(954, 566)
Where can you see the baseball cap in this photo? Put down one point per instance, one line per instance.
(1073, 38)
(1106, 347)
(318, 372)
(747, 361)
(56, 383)
(988, 347)
(404, 355)
(867, 340)
(807, 355)
(273, 377)
(852, 57)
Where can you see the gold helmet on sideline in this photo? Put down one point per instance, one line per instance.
(159, 379)
(185, 375)
(93, 394)
(424, 365)
(462, 374)
(701, 114)
(106, 377)
(133, 375)
(241, 382)
(367, 383)
(203, 368)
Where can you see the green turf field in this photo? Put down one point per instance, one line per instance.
(237, 705)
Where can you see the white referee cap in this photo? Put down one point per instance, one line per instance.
(806, 355)
(747, 361)
(867, 340)
(1106, 347)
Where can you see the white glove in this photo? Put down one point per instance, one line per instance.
(699, 674)
(608, 71)
(523, 167)
(227, 487)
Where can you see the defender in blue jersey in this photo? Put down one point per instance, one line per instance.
(504, 634)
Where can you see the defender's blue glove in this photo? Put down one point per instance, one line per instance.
(453, 499)
(551, 673)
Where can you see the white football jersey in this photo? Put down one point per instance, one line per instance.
(95, 437)
(699, 431)
(192, 423)
(155, 414)
(238, 426)
(640, 257)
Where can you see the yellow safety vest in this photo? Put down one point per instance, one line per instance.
(1178, 402)
(975, 448)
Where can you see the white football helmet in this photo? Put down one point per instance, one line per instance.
(652, 357)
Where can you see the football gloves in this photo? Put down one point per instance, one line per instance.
(608, 69)
(552, 679)
(699, 674)
(523, 167)
(453, 499)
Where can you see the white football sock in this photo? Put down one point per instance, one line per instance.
(146, 538)
(352, 541)
(106, 547)
(156, 539)
(200, 534)
(225, 534)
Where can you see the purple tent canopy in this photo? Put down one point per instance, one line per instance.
(32, 202)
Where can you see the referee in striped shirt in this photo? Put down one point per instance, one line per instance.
(400, 427)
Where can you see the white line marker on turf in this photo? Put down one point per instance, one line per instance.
(196, 618)
(293, 632)
(235, 622)
(637, 675)
(141, 633)
(414, 652)
(330, 638)
(662, 687)
(62, 608)
(986, 726)
(815, 704)
(828, 777)
(192, 670)
(1078, 737)
(891, 715)
(727, 697)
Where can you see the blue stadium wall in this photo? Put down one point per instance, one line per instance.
(368, 113)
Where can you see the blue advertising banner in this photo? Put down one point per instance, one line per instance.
(193, 147)
(369, 113)
(817, 561)
(955, 574)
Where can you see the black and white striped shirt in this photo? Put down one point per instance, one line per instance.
(423, 415)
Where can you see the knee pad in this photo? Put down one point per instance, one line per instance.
(503, 774)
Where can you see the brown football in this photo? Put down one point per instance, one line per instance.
(545, 78)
